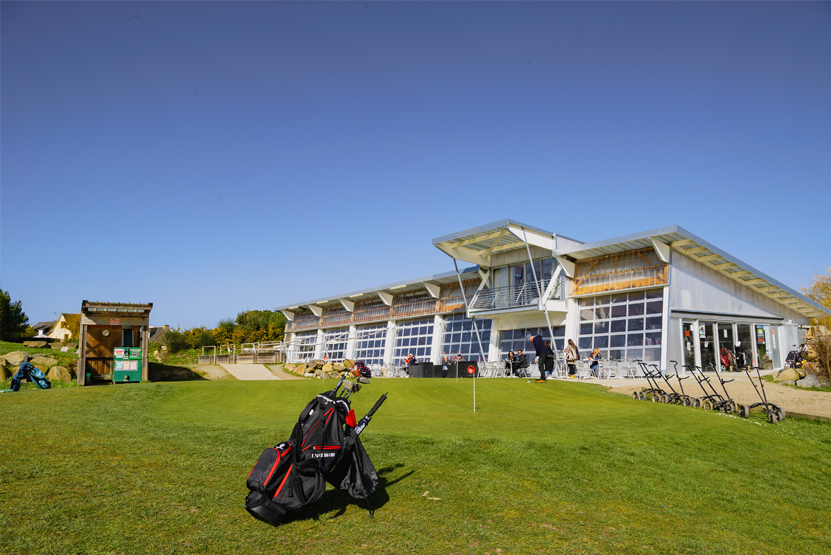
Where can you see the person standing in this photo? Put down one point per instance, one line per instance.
(572, 354)
(542, 354)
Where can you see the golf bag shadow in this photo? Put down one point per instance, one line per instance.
(323, 447)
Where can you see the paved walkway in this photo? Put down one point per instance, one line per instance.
(249, 371)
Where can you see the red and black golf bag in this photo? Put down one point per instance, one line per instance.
(324, 447)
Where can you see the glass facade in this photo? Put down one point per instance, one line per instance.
(334, 349)
(460, 337)
(624, 326)
(305, 346)
(369, 346)
(515, 340)
(416, 337)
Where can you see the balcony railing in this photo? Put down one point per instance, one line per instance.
(512, 296)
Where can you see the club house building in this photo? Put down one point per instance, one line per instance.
(658, 296)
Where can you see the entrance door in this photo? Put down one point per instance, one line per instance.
(744, 343)
(726, 344)
(706, 342)
(688, 341)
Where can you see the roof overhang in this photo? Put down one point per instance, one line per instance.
(431, 284)
(679, 240)
(480, 244)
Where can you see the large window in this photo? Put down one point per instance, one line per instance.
(369, 347)
(460, 337)
(514, 340)
(335, 347)
(624, 326)
(414, 336)
(305, 346)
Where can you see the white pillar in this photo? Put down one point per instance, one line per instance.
(291, 355)
(321, 342)
(493, 344)
(438, 337)
(389, 343)
(351, 341)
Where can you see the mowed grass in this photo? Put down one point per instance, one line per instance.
(554, 468)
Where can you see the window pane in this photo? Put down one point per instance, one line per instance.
(619, 311)
(618, 340)
(636, 296)
(651, 355)
(602, 300)
(601, 342)
(619, 298)
(653, 338)
(601, 327)
(586, 314)
(618, 325)
(655, 294)
(636, 309)
(635, 324)
(585, 342)
(655, 307)
(601, 312)
(634, 340)
(585, 329)
(653, 323)
(633, 354)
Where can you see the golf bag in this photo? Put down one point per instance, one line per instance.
(29, 372)
(323, 447)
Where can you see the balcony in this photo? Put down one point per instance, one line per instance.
(511, 297)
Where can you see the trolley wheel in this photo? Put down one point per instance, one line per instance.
(697, 403)
(781, 413)
(655, 398)
(730, 407)
(773, 417)
(642, 396)
(688, 401)
(744, 411)
(707, 404)
(636, 395)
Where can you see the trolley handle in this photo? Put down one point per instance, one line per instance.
(727, 381)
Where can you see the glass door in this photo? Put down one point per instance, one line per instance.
(688, 341)
(744, 345)
(706, 342)
(726, 344)
(762, 355)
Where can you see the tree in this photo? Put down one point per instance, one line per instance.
(12, 318)
(820, 291)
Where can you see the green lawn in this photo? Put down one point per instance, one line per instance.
(554, 468)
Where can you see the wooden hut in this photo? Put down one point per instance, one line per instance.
(113, 342)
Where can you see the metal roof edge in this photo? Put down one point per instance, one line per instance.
(487, 227)
(470, 270)
(624, 239)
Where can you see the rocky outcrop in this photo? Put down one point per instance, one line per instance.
(44, 363)
(59, 373)
(36, 344)
(6, 369)
(15, 358)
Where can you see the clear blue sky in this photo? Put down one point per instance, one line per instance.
(216, 157)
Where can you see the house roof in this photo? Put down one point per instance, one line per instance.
(44, 325)
(684, 242)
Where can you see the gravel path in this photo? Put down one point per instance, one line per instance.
(793, 400)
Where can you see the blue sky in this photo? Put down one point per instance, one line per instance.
(216, 157)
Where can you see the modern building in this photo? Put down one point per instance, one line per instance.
(658, 296)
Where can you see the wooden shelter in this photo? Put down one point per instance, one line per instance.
(113, 342)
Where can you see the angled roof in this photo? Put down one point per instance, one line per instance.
(684, 242)
(398, 287)
(479, 244)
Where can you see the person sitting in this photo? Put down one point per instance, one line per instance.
(522, 363)
(410, 360)
(510, 362)
(595, 364)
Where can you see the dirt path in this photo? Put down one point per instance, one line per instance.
(793, 400)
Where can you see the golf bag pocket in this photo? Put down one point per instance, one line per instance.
(278, 484)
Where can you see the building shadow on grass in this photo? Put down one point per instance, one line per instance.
(159, 372)
(338, 500)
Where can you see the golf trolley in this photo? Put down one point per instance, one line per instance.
(775, 413)
(658, 394)
(712, 399)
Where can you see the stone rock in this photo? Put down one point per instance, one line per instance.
(788, 382)
(339, 367)
(801, 371)
(328, 368)
(348, 363)
(808, 381)
(44, 363)
(289, 367)
(74, 345)
(788, 374)
(35, 344)
(56, 345)
(59, 373)
(317, 364)
(15, 358)
(301, 370)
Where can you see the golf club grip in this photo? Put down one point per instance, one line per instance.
(376, 406)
